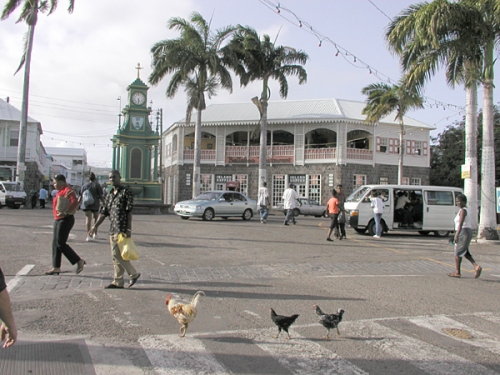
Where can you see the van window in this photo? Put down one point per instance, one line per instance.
(12, 186)
(358, 194)
(439, 198)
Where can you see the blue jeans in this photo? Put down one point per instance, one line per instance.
(378, 226)
(264, 211)
(289, 216)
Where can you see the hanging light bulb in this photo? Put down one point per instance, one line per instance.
(337, 53)
(319, 45)
(278, 8)
(354, 58)
(370, 70)
(300, 23)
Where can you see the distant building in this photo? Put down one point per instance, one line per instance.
(74, 161)
(37, 161)
(315, 144)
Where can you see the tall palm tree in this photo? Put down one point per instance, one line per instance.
(195, 61)
(429, 35)
(461, 34)
(29, 14)
(383, 99)
(253, 59)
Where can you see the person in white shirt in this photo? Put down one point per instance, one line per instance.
(290, 199)
(463, 237)
(378, 210)
(263, 202)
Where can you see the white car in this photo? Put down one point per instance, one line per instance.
(219, 203)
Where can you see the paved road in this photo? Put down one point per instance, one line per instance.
(403, 315)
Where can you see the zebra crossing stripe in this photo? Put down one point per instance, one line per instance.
(425, 356)
(301, 356)
(171, 355)
(439, 323)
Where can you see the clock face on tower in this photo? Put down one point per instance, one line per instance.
(138, 98)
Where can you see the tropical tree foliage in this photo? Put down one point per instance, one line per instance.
(259, 59)
(29, 14)
(382, 100)
(195, 61)
(460, 35)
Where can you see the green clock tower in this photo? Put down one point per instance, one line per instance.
(136, 148)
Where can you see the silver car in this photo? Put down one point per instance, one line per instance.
(219, 203)
(307, 207)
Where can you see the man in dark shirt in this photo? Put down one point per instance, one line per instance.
(8, 330)
(118, 206)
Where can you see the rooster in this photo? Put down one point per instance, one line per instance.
(183, 312)
(283, 322)
(329, 321)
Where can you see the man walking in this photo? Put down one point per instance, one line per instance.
(263, 202)
(43, 197)
(290, 199)
(118, 206)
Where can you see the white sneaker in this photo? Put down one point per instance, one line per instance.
(88, 239)
(376, 236)
(95, 235)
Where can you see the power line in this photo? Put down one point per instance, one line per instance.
(380, 10)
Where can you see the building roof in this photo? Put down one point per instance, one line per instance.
(10, 113)
(290, 111)
(66, 151)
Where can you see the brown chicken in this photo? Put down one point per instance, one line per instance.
(183, 312)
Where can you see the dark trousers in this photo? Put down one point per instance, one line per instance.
(62, 228)
(33, 201)
(42, 203)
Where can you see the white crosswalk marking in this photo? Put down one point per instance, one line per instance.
(171, 355)
(426, 357)
(439, 323)
(300, 356)
(189, 356)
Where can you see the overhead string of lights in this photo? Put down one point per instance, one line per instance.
(349, 57)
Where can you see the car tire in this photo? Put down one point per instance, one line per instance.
(359, 230)
(225, 217)
(441, 233)
(371, 228)
(424, 232)
(247, 215)
(296, 212)
(184, 217)
(208, 214)
(15, 207)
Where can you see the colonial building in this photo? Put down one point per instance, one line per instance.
(37, 161)
(71, 162)
(316, 144)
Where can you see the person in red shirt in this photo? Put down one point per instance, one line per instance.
(333, 211)
(64, 206)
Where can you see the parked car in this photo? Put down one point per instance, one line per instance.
(219, 203)
(307, 207)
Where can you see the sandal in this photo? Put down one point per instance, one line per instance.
(53, 271)
(478, 272)
(454, 275)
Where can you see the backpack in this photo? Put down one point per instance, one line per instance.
(88, 198)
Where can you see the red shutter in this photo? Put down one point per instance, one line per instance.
(409, 149)
(378, 144)
(425, 148)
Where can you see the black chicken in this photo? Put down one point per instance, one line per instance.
(329, 321)
(283, 322)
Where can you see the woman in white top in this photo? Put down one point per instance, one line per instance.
(463, 237)
(378, 209)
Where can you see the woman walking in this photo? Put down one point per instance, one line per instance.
(333, 211)
(378, 209)
(463, 237)
(63, 208)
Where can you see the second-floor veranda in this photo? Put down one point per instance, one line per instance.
(318, 145)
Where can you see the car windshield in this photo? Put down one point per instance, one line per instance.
(209, 196)
(358, 194)
(12, 187)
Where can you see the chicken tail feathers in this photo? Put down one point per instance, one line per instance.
(196, 297)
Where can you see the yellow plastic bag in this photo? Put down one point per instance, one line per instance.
(128, 250)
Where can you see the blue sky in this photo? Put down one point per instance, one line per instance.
(83, 62)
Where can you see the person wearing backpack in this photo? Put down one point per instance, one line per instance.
(89, 202)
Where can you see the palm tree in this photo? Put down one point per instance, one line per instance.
(195, 61)
(383, 99)
(253, 59)
(462, 35)
(29, 14)
(428, 35)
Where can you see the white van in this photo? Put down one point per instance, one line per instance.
(11, 194)
(430, 209)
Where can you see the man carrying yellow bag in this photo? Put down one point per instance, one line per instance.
(118, 206)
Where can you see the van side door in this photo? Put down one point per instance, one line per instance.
(439, 210)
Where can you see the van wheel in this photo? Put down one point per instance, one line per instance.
(360, 231)
(371, 228)
(424, 232)
(441, 233)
